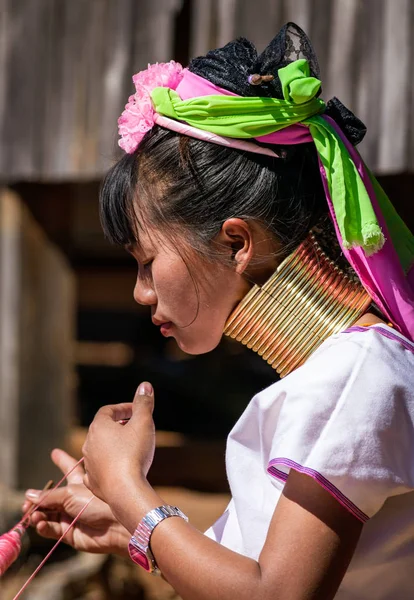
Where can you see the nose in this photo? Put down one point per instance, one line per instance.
(144, 293)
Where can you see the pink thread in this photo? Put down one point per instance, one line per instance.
(10, 546)
(52, 550)
(34, 508)
(10, 542)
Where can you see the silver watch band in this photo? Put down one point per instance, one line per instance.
(148, 523)
(139, 544)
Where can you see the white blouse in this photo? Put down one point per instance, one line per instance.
(345, 418)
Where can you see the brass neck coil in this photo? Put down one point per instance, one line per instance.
(305, 301)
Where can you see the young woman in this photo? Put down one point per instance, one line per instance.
(249, 211)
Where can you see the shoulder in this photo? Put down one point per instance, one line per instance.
(367, 346)
(369, 361)
(347, 419)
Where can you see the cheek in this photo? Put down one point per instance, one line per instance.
(198, 313)
(216, 302)
(175, 290)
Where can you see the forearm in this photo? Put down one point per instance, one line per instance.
(197, 567)
(200, 569)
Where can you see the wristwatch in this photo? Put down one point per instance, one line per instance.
(139, 544)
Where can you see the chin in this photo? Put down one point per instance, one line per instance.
(199, 346)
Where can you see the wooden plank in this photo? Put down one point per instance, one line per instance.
(368, 82)
(45, 364)
(410, 150)
(51, 132)
(395, 118)
(320, 35)
(36, 338)
(77, 21)
(201, 17)
(340, 66)
(298, 11)
(10, 302)
(66, 67)
(226, 22)
(248, 24)
(21, 82)
(116, 83)
(153, 32)
(5, 46)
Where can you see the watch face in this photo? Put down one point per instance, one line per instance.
(139, 557)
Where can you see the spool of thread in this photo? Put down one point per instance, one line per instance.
(10, 547)
(11, 542)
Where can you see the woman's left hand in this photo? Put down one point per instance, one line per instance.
(118, 456)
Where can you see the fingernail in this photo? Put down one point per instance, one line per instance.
(32, 494)
(145, 389)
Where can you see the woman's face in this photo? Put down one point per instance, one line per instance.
(166, 284)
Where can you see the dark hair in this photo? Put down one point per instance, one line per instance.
(187, 185)
(180, 184)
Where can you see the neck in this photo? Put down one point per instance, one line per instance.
(305, 301)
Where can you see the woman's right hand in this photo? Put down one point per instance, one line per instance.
(96, 531)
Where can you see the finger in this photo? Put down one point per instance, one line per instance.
(37, 517)
(65, 462)
(49, 529)
(114, 412)
(143, 401)
(40, 515)
(52, 500)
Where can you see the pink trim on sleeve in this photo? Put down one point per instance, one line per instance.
(391, 335)
(327, 485)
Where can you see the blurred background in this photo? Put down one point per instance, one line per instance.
(71, 337)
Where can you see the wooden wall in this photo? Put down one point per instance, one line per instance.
(365, 49)
(37, 307)
(65, 74)
(66, 67)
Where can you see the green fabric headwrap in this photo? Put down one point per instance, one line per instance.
(353, 209)
(252, 117)
(239, 117)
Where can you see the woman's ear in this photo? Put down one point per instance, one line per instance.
(236, 241)
(242, 241)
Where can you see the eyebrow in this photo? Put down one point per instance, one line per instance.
(131, 248)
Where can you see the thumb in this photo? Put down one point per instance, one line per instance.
(143, 400)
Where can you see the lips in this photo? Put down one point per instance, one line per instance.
(158, 322)
(165, 327)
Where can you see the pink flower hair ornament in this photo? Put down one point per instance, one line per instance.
(138, 116)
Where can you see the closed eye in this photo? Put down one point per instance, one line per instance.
(145, 268)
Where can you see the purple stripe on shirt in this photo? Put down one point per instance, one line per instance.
(327, 485)
(385, 332)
